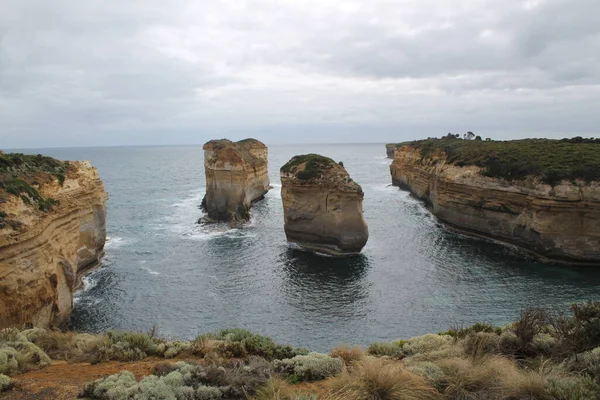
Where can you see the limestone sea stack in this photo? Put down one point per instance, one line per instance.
(236, 177)
(558, 221)
(322, 206)
(52, 230)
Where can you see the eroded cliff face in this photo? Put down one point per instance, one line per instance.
(322, 206)
(390, 149)
(236, 177)
(560, 223)
(44, 253)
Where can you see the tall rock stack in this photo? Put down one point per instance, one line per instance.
(236, 177)
(322, 206)
(52, 229)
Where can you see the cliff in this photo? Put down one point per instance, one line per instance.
(559, 221)
(322, 206)
(52, 229)
(236, 177)
(390, 149)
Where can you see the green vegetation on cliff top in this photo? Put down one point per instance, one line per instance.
(551, 160)
(314, 165)
(19, 176)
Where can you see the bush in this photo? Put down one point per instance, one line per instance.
(387, 349)
(585, 363)
(311, 367)
(425, 343)
(240, 343)
(572, 388)
(5, 383)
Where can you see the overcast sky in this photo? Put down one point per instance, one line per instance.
(98, 72)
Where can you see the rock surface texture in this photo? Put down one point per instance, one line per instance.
(236, 177)
(322, 206)
(560, 222)
(52, 229)
(390, 149)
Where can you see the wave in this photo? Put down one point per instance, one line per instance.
(151, 272)
(116, 242)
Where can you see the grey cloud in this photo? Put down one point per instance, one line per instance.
(149, 71)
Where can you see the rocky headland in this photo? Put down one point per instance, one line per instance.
(390, 149)
(322, 206)
(541, 195)
(236, 177)
(52, 229)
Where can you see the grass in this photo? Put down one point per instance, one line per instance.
(308, 166)
(543, 355)
(551, 160)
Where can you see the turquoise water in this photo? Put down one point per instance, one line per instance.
(413, 277)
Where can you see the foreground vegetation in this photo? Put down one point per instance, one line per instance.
(551, 160)
(543, 355)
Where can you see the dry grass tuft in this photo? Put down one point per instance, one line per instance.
(493, 377)
(380, 380)
(350, 355)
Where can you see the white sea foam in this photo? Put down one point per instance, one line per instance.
(151, 272)
(116, 242)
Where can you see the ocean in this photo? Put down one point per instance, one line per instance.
(163, 270)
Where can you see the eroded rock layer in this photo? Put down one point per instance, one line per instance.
(322, 206)
(390, 149)
(52, 229)
(560, 222)
(236, 177)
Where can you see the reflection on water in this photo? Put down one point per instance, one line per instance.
(325, 287)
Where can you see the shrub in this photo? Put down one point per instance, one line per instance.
(378, 379)
(141, 341)
(425, 343)
(349, 355)
(311, 367)
(572, 388)
(241, 343)
(586, 363)
(478, 344)
(393, 350)
(172, 349)
(5, 383)
(428, 370)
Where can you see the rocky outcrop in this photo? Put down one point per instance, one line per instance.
(236, 177)
(390, 149)
(560, 222)
(52, 230)
(322, 206)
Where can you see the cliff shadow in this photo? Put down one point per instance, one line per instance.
(326, 287)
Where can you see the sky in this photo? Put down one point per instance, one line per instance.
(151, 72)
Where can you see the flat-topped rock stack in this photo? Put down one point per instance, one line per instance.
(322, 206)
(236, 177)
